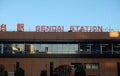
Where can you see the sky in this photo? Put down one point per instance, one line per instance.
(65, 13)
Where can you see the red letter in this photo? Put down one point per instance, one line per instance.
(42, 28)
(20, 27)
(71, 28)
(82, 29)
(99, 28)
(48, 28)
(77, 28)
(37, 28)
(86, 28)
(53, 28)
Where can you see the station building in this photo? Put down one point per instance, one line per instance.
(99, 52)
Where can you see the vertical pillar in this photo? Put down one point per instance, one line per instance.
(17, 65)
(100, 48)
(51, 68)
(112, 48)
(78, 49)
(90, 48)
(2, 46)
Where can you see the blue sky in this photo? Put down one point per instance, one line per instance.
(60, 12)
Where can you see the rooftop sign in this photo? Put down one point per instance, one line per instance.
(72, 29)
(49, 28)
(3, 27)
(86, 28)
(44, 28)
(20, 27)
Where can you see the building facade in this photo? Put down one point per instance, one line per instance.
(99, 52)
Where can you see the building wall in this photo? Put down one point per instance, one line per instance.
(33, 66)
(59, 35)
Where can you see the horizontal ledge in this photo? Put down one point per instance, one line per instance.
(57, 40)
(59, 55)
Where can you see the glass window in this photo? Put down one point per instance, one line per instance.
(107, 48)
(64, 48)
(95, 48)
(84, 48)
(95, 66)
(116, 48)
(92, 65)
(28, 48)
(88, 66)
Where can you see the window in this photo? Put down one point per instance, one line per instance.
(62, 48)
(116, 48)
(29, 48)
(84, 48)
(74, 65)
(107, 48)
(92, 65)
(95, 48)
